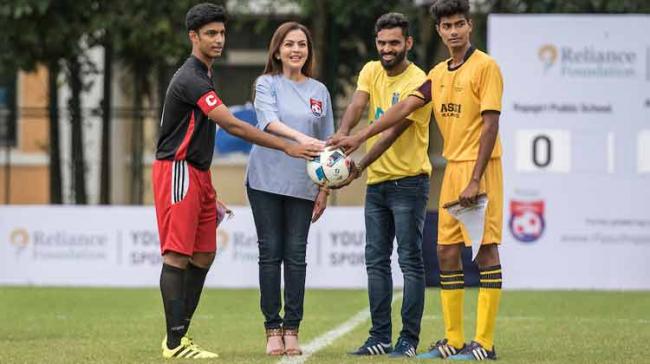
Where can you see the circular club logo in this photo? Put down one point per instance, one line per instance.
(527, 220)
(316, 107)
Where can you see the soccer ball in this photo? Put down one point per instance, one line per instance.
(330, 168)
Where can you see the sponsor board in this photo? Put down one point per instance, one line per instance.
(119, 246)
(574, 127)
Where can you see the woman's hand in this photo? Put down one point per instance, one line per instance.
(320, 204)
(307, 140)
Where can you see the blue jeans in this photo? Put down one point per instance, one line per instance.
(282, 224)
(396, 208)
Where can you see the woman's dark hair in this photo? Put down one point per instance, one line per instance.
(274, 65)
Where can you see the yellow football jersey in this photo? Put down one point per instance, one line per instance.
(459, 98)
(408, 156)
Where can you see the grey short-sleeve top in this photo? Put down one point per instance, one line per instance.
(304, 106)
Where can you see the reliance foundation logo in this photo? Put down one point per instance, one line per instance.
(59, 245)
(588, 61)
(547, 54)
(223, 239)
(19, 239)
(527, 220)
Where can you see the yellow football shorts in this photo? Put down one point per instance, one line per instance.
(457, 176)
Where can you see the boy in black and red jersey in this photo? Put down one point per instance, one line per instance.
(185, 199)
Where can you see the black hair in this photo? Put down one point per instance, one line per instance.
(444, 8)
(392, 20)
(202, 14)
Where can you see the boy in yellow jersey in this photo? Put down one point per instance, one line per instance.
(398, 186)
(465, 92)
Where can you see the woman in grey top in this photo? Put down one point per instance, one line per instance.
(288, 103)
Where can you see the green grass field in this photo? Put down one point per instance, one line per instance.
(79, 325)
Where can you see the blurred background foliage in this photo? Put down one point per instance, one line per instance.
(148, 41)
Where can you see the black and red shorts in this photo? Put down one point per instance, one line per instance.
(186, 208)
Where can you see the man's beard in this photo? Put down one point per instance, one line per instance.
(397, 59)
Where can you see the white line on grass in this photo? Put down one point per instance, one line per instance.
(329, 337)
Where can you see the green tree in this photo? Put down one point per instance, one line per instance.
(148, 37)
(344, 36)
(50, 32)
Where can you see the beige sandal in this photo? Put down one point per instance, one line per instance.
(292, 351)
(272, 334)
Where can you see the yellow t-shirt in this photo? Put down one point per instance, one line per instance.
(408, 155)
(459, 98)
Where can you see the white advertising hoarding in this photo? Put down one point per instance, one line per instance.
(574, 127)
(118, 246)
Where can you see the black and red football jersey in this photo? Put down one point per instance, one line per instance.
(186, 133)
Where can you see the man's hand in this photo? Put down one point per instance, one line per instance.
(469, 196)
(304, 151)
(334, 138)
(319, 205)
(348, 143)
(355, 172)
(339, 133)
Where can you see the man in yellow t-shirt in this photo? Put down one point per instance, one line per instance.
(465, 92)
(398, 186)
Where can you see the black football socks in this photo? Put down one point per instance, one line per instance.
(194, 280)
(172, 288)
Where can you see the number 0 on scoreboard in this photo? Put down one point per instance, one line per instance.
(543, 150)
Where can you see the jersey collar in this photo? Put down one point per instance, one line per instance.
(468, 54)
(200, 65)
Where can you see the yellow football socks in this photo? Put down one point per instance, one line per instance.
(452, 295)
(489, 296)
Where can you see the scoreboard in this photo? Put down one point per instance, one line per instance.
(575, 128)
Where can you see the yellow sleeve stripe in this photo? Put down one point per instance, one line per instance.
(417, 94)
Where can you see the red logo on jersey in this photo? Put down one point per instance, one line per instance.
(316, 107)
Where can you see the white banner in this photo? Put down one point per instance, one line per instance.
(118, 246)
(575, 127)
